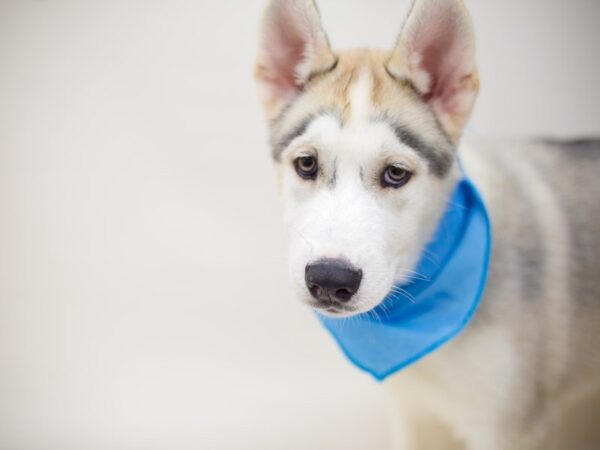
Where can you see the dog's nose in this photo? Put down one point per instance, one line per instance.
(331, 280)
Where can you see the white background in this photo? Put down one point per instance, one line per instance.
(143, 290)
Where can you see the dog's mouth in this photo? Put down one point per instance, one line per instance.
(333, 308)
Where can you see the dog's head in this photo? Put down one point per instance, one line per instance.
(365, 144)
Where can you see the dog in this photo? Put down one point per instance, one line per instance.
(367, 148)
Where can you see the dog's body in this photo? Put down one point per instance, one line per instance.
(530, 358)
(366, 145)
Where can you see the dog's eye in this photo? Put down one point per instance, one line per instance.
(306, 167)
(395, 176)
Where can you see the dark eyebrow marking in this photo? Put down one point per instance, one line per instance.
(439, 159)
(280, 144)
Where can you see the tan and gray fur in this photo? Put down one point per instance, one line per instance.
(526, 372)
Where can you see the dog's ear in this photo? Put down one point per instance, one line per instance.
(292, 48)
(436, 53)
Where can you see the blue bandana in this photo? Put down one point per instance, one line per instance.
(418, 318)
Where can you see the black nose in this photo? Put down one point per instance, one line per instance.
(332, 280)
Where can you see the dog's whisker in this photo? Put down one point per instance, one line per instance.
(435, 259)
(409, 271)
(402, 292)
(377, 316)
(385, 311)
(411, 275)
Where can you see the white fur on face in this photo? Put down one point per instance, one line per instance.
(346, 213)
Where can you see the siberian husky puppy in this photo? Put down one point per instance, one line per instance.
(366, 146)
